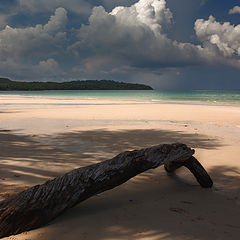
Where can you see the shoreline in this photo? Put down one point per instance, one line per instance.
(47, 116)
(39, 142)
(37, 96)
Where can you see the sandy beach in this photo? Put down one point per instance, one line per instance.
(42, 138)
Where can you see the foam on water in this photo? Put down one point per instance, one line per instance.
(206, 97)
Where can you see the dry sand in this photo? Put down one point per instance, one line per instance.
(48, 137)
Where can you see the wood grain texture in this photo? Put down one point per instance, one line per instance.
(40, 204)
(195, 168)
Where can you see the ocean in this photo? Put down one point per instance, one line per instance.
(195, 97)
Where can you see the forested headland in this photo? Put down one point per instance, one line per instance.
(9, 85)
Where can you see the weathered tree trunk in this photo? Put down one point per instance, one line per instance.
(194, 167)
(40, 204)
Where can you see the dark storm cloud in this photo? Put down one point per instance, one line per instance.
(154, 41)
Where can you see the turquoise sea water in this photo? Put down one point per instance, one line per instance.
(207, 97)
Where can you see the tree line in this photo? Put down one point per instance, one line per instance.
(8, 85)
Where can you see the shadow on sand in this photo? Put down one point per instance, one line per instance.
(150, 206)
(103, 140)
(32, 160)
(153, 206)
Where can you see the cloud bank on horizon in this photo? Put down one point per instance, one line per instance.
(131, 42)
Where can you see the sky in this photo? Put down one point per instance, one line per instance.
(167, 44)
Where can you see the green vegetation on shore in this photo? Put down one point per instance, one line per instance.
(8, 85)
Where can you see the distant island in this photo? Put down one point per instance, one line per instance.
(9, 85)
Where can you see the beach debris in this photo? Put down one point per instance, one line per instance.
(40, 204)
(194, 167)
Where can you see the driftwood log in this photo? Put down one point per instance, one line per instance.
(40, 204)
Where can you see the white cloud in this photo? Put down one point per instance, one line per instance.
(220, 38)
(234, 10)
(125, 41)
(30, 42)
(151, 13)
(57, 22)
(135, 34)
(22, 48)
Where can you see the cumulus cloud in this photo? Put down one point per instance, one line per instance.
(220, 39)
(57, 22)
(127, 40)
(135, 34)
(17, 43)
(234, 10)
(22, 48)
(153, 14)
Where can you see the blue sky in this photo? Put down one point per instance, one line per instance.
(168, 44)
